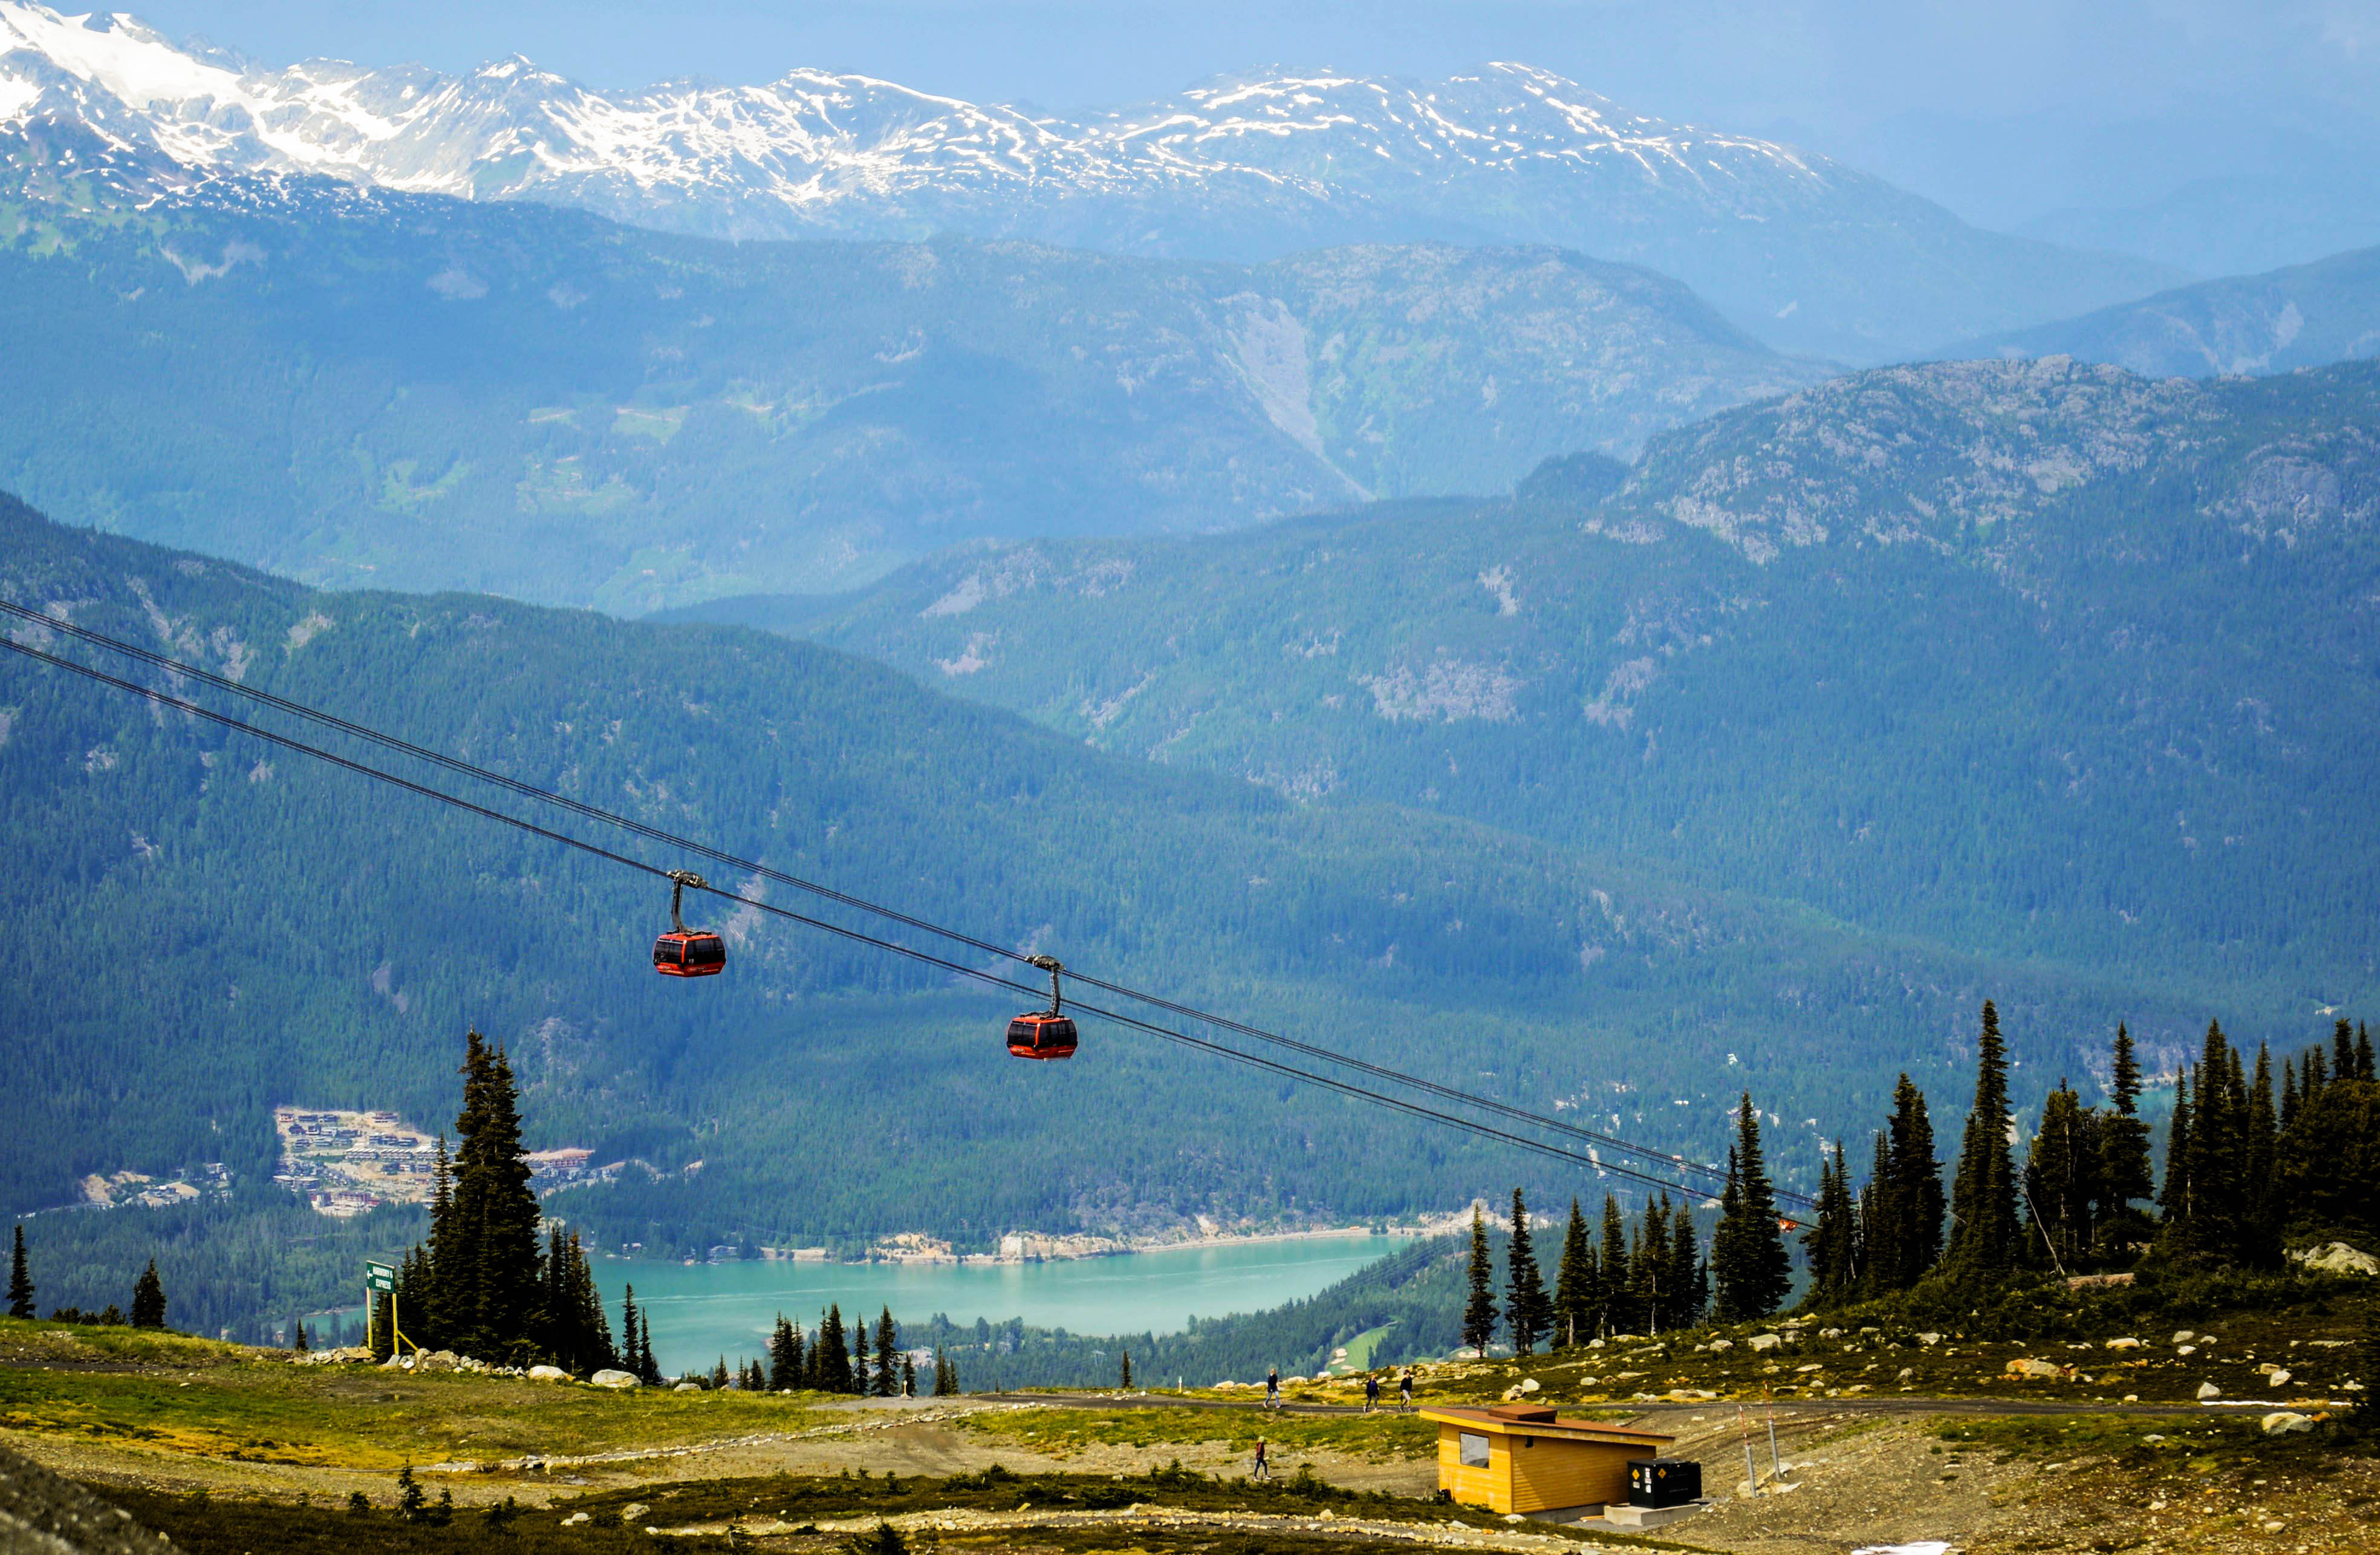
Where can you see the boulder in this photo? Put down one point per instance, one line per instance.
(2183, 1336)
(2282, 1422)
(2337, 1258)
(1763, 1342)
(2026, 1367)
(438, 1360)
(688, 1387)
(2123, 1344)
(1722, 1343)
(608, 1377)
(2277, 1377)
(548, 1374)
(1830, 1333)
(2209, 1391)
(1929, 1339)
(1529, 1384)
(2185, 1349)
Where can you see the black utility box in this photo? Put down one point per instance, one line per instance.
(1664, 1481)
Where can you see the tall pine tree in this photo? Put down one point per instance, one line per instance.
(1983, 1238)
(21, 1281)
(1479, 1309)
(1748, 1264)
(2125, 1174)
(888, 1356)
(2061, 1181)
(1527, 1310)
(1576, 1300)
(1832, 1243)
(1619, 1309)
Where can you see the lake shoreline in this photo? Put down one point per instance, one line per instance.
(1028, 1247)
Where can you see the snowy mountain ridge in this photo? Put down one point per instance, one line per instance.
(809, 138)
(1806, 252)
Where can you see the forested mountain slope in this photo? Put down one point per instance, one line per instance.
(369, 390)
(249, 928)
(1808, 252)
(2033, 659)
(2306, 315)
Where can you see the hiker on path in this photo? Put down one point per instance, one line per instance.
(1263, 1470)
(1371, 1393)
(1405, 1389)
(1272, 1390)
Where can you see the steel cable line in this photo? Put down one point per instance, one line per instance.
(365, 732)
(994, 979)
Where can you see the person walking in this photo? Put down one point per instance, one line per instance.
(1263, 1469)
(1371, 1392)
(1273, 1389)
(1405, 1389)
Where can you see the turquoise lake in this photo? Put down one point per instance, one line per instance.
(702, 1311)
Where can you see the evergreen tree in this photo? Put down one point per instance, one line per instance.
(785, 1356)
(718, 1379)
(2327, 1165)
(1748, 1264)
(909, 1375)
(432, 1305)
(2260, 1206)
(2125, 1173)
(1648, 1267)
(1903, 1236)
(1619, 1315)
(1983, 1240)
(862, 1381)
(149, 1299)
(2342, 1051)
(888, 1356)
(2061, 1180)
(832, 1349)
(410, 1500)
(297, 1334)
(493, 1296)
(632, 1358)
(1479, 1311)
(2364, 1069)
(1576, 1298)
(1527, 1310)
(2173, 1196)
(1832, 1251)
(1686, 1272)
(1123, 1376)
(21, 1281)
(651, 1374)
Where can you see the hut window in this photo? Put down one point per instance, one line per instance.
(1475, 1450)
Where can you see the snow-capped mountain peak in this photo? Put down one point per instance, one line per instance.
(1809, 253)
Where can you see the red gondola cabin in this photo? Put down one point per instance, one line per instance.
(689, 954)
(1041, 1036)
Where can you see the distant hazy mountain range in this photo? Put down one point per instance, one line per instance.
(2304, 316)
(1809, 253)
(414, 391)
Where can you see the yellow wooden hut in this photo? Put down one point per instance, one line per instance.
(1526, 1458)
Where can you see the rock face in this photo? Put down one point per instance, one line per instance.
(610, 1379)
(2337, 1258)
(43, 1514)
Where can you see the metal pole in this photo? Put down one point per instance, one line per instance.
(1775, 1462)
(1751, 1475)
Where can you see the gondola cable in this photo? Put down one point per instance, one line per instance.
(364, 732)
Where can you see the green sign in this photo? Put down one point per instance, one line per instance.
(379, 1276)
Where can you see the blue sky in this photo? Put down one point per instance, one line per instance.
(2003, 108)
